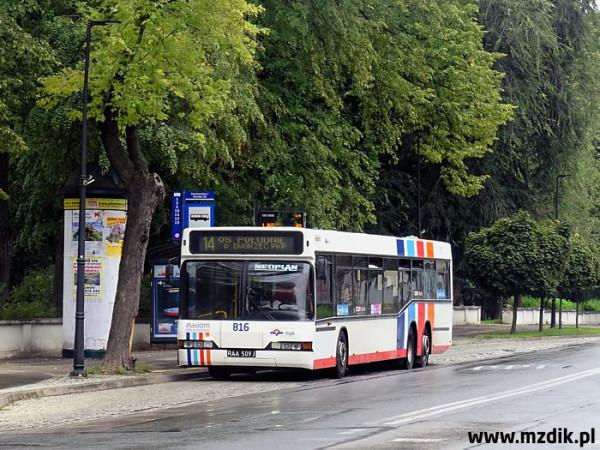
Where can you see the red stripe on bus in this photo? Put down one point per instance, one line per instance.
(401, 353)
(361, 359)
(439, 348)
(324, 363)
(372, 357)
(420, 250)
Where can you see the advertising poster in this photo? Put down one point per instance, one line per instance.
(94, 244)
(114, 231)
(165, 304)
(93, 278)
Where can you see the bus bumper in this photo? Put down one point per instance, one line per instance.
(264, 358)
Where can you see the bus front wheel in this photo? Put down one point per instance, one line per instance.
(341, 356)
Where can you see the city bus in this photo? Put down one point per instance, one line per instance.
(254, 298)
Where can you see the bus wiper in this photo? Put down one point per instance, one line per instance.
(250, 295)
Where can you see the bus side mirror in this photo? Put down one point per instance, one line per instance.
(321, 268)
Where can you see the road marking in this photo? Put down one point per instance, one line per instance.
(418, 440)
(448, 407)
(353, 431)
(507, 367)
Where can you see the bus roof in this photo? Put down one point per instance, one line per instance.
(329, 241)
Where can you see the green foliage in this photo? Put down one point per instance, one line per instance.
(32, 298)
(159, 55)
(582, 272)
(517, 256)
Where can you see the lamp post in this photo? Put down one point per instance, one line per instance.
(556, 205)
(78, 351)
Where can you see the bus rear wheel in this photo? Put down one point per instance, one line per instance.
(341, 356)
(423, 360)
(219, 373)
(408, 362)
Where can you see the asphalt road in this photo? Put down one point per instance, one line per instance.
(434, 407)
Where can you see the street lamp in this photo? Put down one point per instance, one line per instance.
(78, 351)
(553, 312)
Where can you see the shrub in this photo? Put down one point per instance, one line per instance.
(32, 299)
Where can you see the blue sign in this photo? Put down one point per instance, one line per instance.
(176, 216)
(204, 195)
(191, 209)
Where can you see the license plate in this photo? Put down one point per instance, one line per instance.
(241, 353)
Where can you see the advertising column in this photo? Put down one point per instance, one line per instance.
(105, 223)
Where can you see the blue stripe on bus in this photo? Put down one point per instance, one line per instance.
(400, 247)
(188, 352)
(400, 337)
(410, 248)
(412, 308)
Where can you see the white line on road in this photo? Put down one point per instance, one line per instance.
(541, 366)
(418, 440)
(448, 407)
(508, 367)
(353, 431)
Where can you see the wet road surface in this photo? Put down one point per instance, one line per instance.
(434, 407)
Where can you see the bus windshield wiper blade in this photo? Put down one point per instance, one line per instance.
(251, 292)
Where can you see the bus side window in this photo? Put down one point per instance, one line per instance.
(360, 292)
(344, 291)
(405, 287)
(442, 279)
(324, 298)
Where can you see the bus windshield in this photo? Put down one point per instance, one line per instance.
(248, 290)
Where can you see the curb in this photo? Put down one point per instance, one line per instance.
(9, 398)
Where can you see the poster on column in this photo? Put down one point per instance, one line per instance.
(94, 244)
(114, 231)
(93, 278)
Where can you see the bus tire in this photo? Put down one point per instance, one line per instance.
(219, 373)
(341, 356)
(423, 360)
(408, 362)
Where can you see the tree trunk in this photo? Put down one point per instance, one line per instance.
(500, 308)
(145, 191)
(516, 304)
(6, 235)
(553, 312)
(541, 325)
(577, 313)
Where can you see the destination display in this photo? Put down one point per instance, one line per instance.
(254, 242)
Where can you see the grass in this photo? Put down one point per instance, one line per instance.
(491, 322)
(139, 368)
(533, 302)
(565, 331)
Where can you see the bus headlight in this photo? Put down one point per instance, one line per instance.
(197, 344)
(297, 346)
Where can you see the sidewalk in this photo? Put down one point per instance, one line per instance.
(26, 378)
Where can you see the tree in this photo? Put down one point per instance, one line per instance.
(516, 256)
(23, 59)
(582, 271)
(164, 61)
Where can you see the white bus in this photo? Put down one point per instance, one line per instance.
(310, 299)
